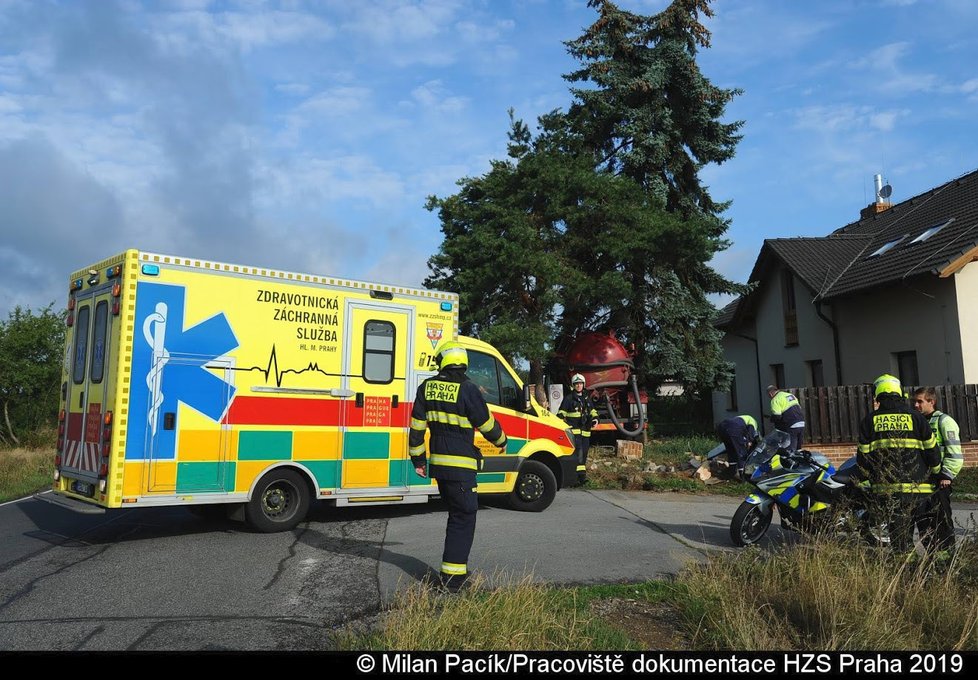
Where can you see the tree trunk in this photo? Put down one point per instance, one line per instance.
(6, 417)
(536, 372)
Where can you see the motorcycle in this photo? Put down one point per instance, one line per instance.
(810, 494)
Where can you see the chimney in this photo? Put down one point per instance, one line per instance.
(882, 193)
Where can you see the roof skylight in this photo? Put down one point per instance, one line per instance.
(927, 233)
(888, 246)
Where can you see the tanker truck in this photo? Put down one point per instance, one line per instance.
(609, 377)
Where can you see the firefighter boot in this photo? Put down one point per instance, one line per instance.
(455, 583)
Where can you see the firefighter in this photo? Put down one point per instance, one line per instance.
(935, 525)
(786, 415)
(450, 405)
(579, 412)
(738, 434)
(897, 453)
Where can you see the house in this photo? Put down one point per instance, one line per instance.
(890, 293)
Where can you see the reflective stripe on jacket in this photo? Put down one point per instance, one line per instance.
(573, 410)
(897, 450)
(451, 406)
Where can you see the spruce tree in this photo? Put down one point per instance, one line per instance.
(600, 219)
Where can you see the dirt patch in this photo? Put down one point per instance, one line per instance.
(655, 625)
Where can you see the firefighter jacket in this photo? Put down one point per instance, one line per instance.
(897, 450)
(786, 412)
(579, 412)
(450, 405)
(945, 430)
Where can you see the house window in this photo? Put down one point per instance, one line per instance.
(790, 311)
(907, 368)
(732, 394)
(815, 373)
(777, 375)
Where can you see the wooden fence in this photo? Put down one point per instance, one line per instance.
(833, 414)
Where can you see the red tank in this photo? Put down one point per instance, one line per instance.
(609, 376)
(601, 359)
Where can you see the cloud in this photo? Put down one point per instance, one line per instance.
(188, 31)
(846, 117)
(746, 35)
(400, 21)
(56, 218)
(479, 32)
(891, 77)
(433, 98)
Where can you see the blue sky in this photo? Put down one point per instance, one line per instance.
(307, 135)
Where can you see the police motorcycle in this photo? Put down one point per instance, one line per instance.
(810, 494)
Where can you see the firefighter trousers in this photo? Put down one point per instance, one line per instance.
(899, 511)
(935, 524)
(463, 504)
(582, 444)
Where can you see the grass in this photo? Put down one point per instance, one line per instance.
(512, 615)
(821, 594)
(832, 596)
(24, 471)
(966, 483)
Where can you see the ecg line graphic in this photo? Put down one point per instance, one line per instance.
(272, 368)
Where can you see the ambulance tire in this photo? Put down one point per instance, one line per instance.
(281, 500)
(535, 488)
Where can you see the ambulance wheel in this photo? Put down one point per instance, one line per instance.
(535, 487)
(279, 503)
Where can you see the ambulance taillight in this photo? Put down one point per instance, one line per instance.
(103, 469)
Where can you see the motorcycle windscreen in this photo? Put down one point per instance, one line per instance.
(771, 444)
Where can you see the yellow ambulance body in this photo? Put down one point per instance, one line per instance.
(188, 382)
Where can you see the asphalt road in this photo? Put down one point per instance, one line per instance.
(165, 579)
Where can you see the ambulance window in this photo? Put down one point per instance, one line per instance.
(482, 371)
(81, 344)
(378, 352)
(98, 341)
(511, 394)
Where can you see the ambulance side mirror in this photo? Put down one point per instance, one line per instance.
(526, 397)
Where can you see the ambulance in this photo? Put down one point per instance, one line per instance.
(256, 391)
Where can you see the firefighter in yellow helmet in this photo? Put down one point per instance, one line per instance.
(578, 411)
(897, 452)
(450, 405)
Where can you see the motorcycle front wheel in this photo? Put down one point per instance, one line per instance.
(750, 523)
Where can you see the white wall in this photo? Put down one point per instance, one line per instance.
(966, 295)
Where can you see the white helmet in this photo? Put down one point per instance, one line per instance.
(577, 378)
